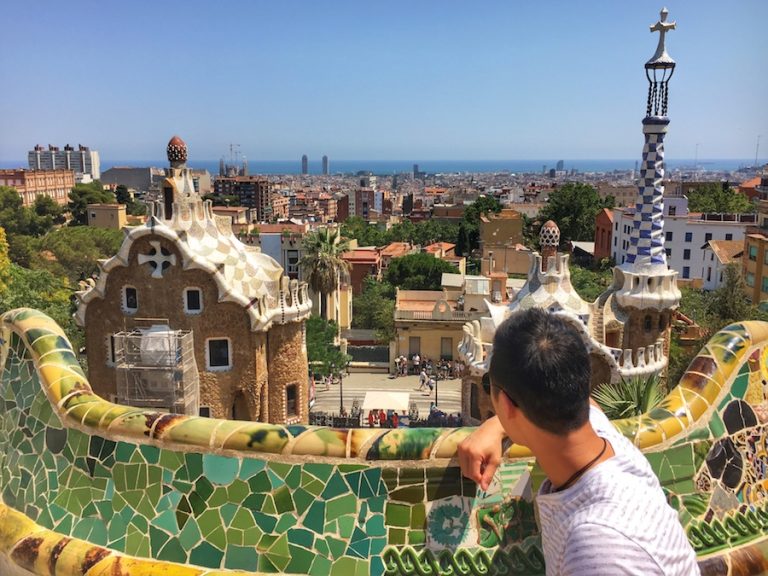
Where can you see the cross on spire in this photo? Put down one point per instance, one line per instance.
(662, 27)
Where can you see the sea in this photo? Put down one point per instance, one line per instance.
(389, 167)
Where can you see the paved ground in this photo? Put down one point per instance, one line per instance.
(356, 385)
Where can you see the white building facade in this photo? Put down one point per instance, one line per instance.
(685, 235)
(84, 162)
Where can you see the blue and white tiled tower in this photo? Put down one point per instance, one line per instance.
(644, 282)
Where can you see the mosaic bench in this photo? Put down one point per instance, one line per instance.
(90, 487)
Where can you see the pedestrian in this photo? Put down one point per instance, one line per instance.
(382, 419)
(601, 509)
(416, 363)
(395, 420)
(422, 380)
(431, 386)
(371, 419)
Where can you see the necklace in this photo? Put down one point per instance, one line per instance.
(580, 471)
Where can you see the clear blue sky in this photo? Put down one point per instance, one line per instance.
(422, 80)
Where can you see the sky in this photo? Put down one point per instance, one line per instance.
(375, 80)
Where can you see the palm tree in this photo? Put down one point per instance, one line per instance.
(628, 398)
(322, 264)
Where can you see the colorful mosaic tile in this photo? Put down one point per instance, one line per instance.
(129, 489)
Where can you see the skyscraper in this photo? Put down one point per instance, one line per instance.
(304, 164)
(83, 161)
(325, 166)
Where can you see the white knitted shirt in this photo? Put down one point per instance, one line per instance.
(614, 520)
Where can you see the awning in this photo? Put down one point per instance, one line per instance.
(386, 401)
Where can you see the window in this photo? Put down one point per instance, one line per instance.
(765, 284)
(686, 271)
(291, 405)
(707, 237)
(446, 348)
(193, 301)
(765, 257)
(709, 273)
(130, 299)
(648, 323)
(217, 354)
(753, 252)
(750, 280)
(110, 342)
(668, 236)
(669, 252)
(729, 236)
(687, 254)
(292, 263)
(672, 210)
(205, 411)
(689, 236)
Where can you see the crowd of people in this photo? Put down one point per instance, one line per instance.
(438, 370)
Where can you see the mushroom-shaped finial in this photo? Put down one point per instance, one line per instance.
(177, 151)
(549, 234)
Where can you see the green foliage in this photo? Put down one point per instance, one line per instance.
(589, 284)
(321, 350)
(421, 233)
(74, 252)
(19, 220)
(82, 195)
(41, 290)
(629, 398)
(223, 199)
(5, 261)
(420, 271)
(573, 207)
(322, 262)
(729, 303)
(132, 207)
(374, 309)
(718, 197)
(469, 230)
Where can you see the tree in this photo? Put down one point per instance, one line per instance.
(73, 252)
(718, 197)
(322, 262)
(82, 195)
(322, 353)
(629, 398)
(573, 207)
(5, 261)
(355, 228)
(374, 309)
(468, 234)
(18, 219)
(589, 284)
(417, 272)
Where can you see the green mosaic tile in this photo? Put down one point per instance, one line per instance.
(250, 467)
(320, 471)
(301, 560)
(397, 514)
(340, 506)
(315, 517)
(190, 536)
(265, 521)
(206, 555)
(412, 494)
(260, 482)
(283, 500)
(336, 547)
(241, 558)
(321, 566)
(157, 539)
(285, 522)
(302, 500)
(193, 466)
(334, 487)
(237, 491)
(417, 537)
(218, 497)
(281, 469)
(346, 526)
(740, 384)
(220, 469)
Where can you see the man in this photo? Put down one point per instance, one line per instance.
(422, 380)
(601, 509)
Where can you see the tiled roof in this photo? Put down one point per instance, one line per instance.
(726, 251)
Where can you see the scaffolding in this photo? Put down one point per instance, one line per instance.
(156, 369)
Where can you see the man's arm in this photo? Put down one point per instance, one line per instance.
(480, 452)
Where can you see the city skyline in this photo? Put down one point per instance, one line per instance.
(429, 82)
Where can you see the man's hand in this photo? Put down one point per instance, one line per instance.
(480, 452)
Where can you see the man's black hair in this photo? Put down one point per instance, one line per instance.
(540, 361)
